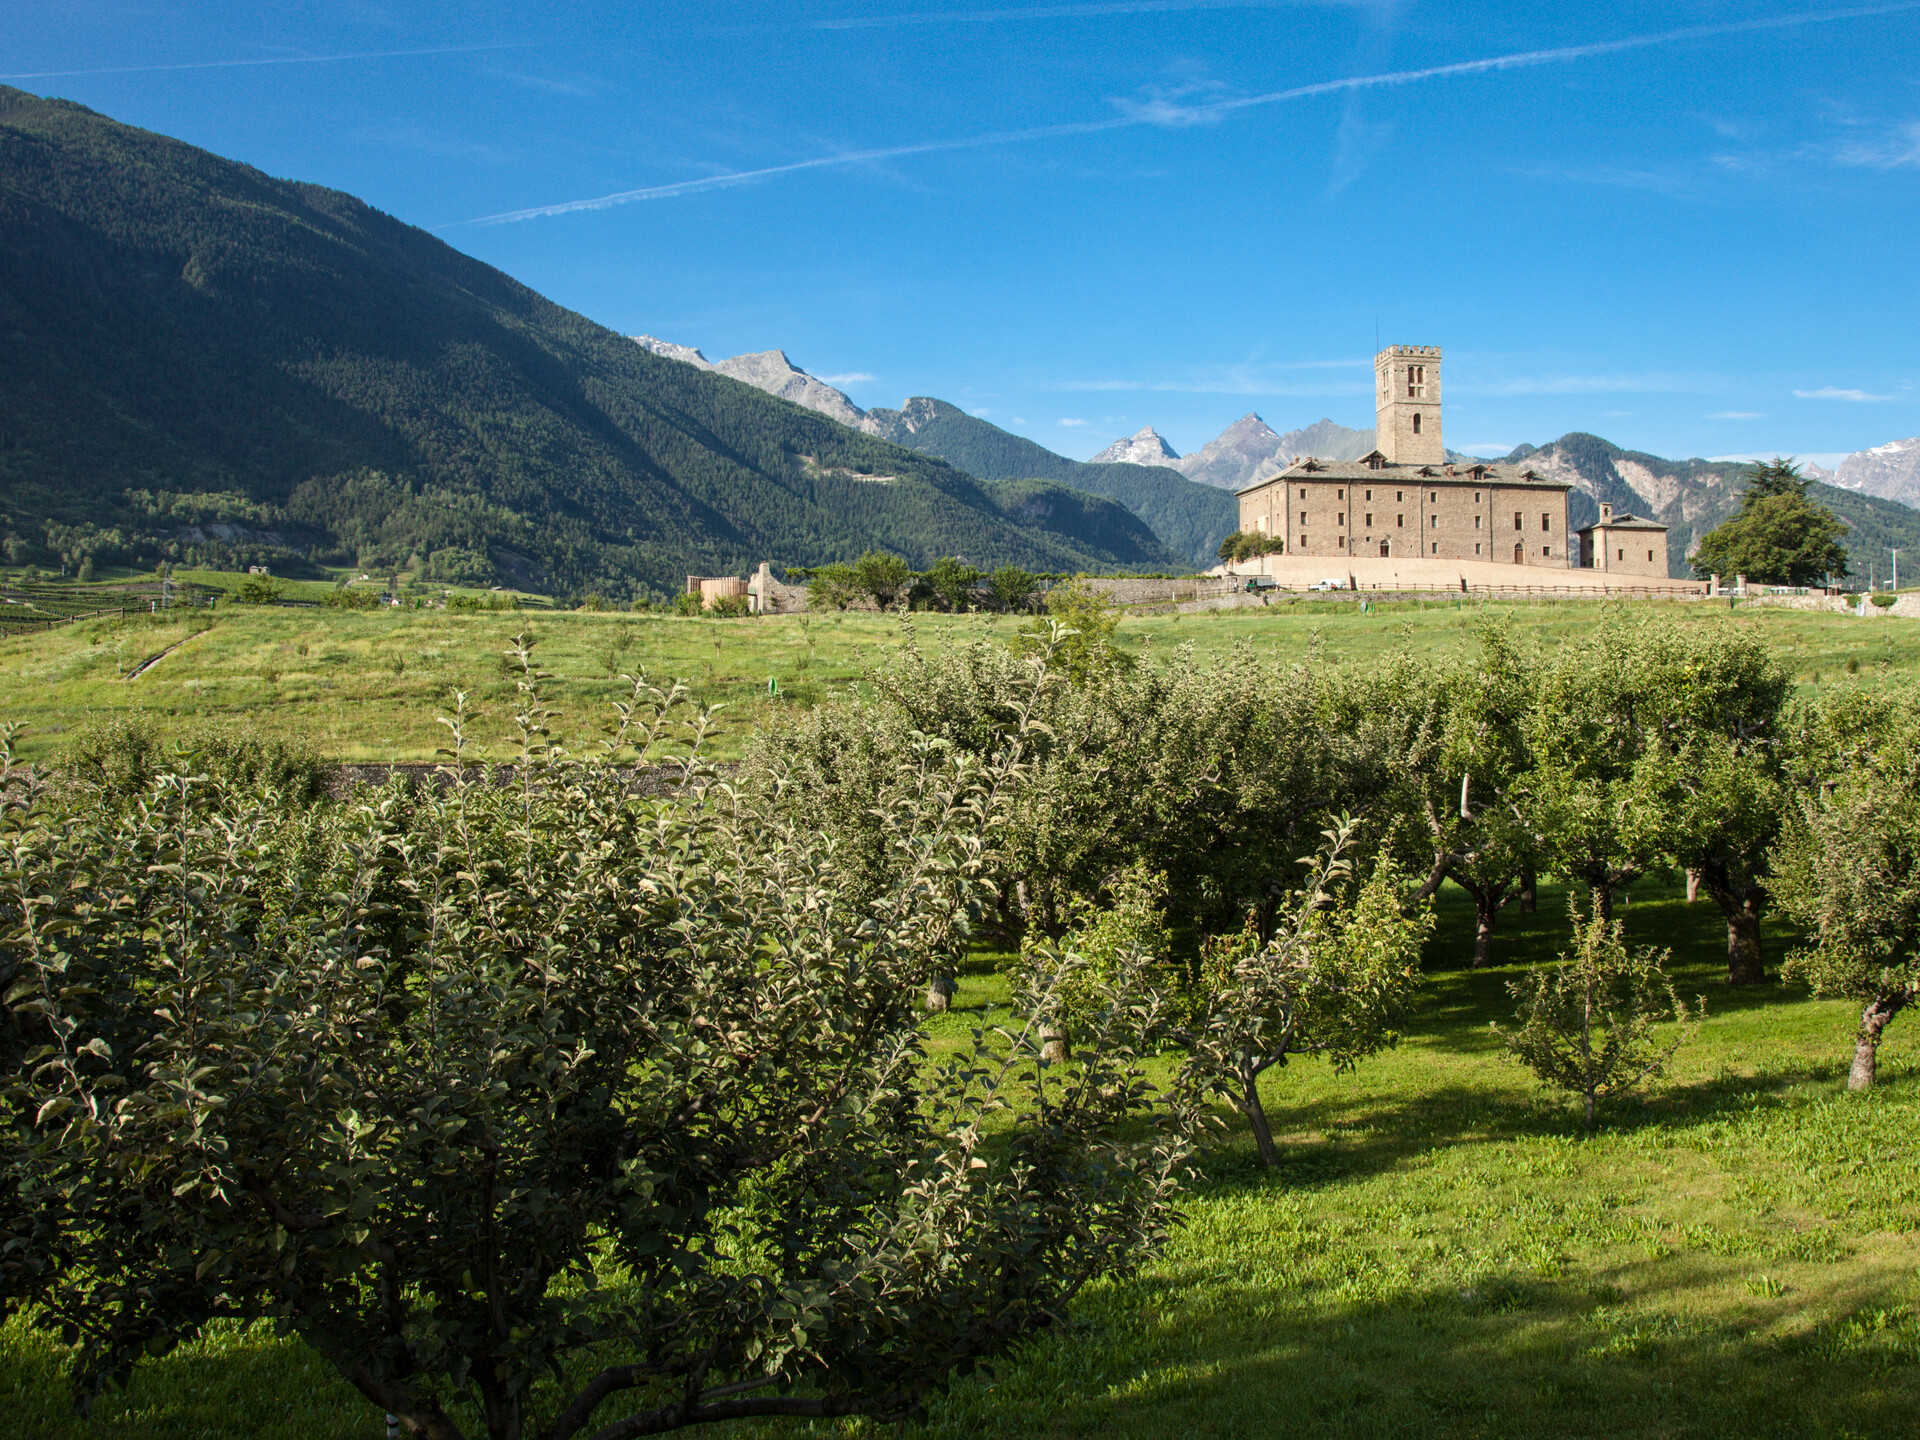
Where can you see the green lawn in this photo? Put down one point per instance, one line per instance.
(1443, 1253)
(367, 685)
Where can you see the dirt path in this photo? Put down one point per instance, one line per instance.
(153, 660)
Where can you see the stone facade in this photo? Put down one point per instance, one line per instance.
(1624, 544)
(1405, 500)
(1493, 513)
(1406, 405)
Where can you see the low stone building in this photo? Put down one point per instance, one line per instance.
(1406, 500)
(1624, 544)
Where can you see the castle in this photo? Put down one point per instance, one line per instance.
(1405, 500)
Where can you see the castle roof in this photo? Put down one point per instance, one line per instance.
(1377, 469)
(1622, 521)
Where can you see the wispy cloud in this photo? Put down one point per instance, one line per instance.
(1278, 377)
(1061, 12)
(1172, 114)
(1071, 423)
(1736, 415)
(546, 82)
(1831, 392)
(1897, 147)
(332, 59)
(1653, 383)
(852, 377)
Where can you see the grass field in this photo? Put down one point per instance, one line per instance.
(1443, 1253)
(366, 685)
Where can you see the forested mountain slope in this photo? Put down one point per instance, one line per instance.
(1192, 519)
(1690, 497)
(200, 361)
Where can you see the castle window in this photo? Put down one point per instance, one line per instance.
(1476, 522)
(1416, 381)
(1476, 497)
(1518, 524)
(1340, 518)
(1649, 556)
(1546, 550)
(1416, 422)
(1369, 494)
(1546, 521)
(1369, 517)
(1623, 554)
(1303, 517)
(1476, 547)
(1400, 520)
(1433, 522)
(1436, 497)
(1339, 494)
(1436, 547)
(1303, 492)
(1400, 495)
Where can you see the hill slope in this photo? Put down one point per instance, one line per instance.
(200, 361)
(1690, 497)
(1192, 519)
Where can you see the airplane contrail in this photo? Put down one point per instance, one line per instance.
(1164, 113)
(272, 60)
(1044, 12)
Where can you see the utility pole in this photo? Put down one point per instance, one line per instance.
(1896, 569)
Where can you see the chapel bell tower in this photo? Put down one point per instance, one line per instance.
(1406, 404)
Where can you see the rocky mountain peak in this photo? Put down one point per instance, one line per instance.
(1891, 471)
(1147, 447)
(684, 353)
(773, 372)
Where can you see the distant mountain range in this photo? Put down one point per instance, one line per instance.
(1891, 471)
(1690, 497)
(204, 364)
(1191, 519)
(201, 363)
(1872, 490)
(1247, 451)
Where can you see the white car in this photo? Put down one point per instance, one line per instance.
(1335, 584)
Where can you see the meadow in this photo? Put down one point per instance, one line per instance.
(1443, 1253)
(366, 685)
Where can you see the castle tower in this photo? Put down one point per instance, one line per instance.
(1406, 404)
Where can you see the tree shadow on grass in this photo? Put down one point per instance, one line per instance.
(1364, 1135)
(1627, 1353)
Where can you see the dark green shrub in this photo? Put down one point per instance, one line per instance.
(118, 755)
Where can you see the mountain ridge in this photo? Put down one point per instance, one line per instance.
(1189, 519)
(207, 364)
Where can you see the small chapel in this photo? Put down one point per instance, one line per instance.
(1406, 499)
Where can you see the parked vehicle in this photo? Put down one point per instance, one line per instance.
(1256, 583)
(1335, 583)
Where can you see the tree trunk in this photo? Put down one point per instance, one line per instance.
(1529, 891)
(1745, 963)
(940, 994)
(1873, 1020)
(1483, 918)
(1055, 1046)
(1742, 905)
(1603, 901)
(1257, 1120)
(1693, 886)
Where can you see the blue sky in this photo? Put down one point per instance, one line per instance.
(1688, 227)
